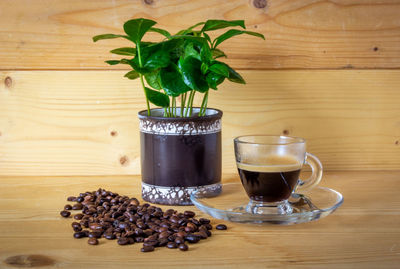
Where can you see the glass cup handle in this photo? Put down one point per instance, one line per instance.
(315, 178)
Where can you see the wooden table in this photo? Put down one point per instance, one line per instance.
(363, 233)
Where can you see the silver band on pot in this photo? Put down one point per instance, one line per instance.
(175, 195)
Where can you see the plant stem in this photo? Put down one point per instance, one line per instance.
(183, 100)
(141, 78)
(191, 103)
(144, 89)
(188, 104)
(203, 106)
(173, 107)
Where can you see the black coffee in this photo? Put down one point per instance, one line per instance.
(271, 181)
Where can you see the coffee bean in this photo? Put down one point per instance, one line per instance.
(95, 234)
(202, 234)
(150, 243)
(84, 223)
(221, 227)
(171, 245)
(113, 216)
(196, 222)
(164, 234)
(79, 235)
(191, 238)
(151, 238)
(181, 234)
(65, 213)
(78, 216)
(77, 206)
(208, 226)
(189, 229)
(183, 247)
(139, 239)
(174, 219)
(109, 236)
(95, 226)
(192, 226)
(93, 241)
(162, 242)
(179, 240)
(204, 221)
(171, 238)
(123, 241)
(189, 214)
(71, 199)
(147, 249)
(77, 228)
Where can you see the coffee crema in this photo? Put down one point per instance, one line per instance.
(271, 178)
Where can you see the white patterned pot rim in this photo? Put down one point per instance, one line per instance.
(156, 124)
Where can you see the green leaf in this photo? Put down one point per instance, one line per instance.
(134, 63)
(219, 24)
(206, 36)
(205, 53)
(217, 53)
(234, 76)
(122, 61)
(214, 80)
(158, 59)
(108, 36)
(197, 39)
(113, 62)
(132, 74)
(172, 81)
(192, 76)
(137, 28)
(160, 31)
(188, 30)
(125, 61)
(124, 51)
(204, 68)
(153, 79)
(157, 98)
(232, 33)
(220, 69)
(191, 51)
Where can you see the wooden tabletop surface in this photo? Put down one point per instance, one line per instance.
(363, 233)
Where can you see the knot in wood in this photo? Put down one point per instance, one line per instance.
(124, 160)
(260, 4)
(29, 261)
(8, 82)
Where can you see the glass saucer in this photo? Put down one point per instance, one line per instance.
(230, 205)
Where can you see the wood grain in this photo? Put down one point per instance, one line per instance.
(85, 122)
(362, 233)
(335, 34)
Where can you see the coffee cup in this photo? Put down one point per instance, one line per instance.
(269, 168)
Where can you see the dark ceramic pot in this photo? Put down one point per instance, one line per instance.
(179, 155)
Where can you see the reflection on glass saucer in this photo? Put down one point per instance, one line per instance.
(231, 205)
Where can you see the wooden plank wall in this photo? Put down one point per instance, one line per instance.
(328, 71)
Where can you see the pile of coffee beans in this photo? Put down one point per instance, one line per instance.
(105, 214)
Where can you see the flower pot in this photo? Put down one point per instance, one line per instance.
(179, 155)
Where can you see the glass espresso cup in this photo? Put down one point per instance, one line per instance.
(269, 168)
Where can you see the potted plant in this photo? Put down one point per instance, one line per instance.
(180, 143)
